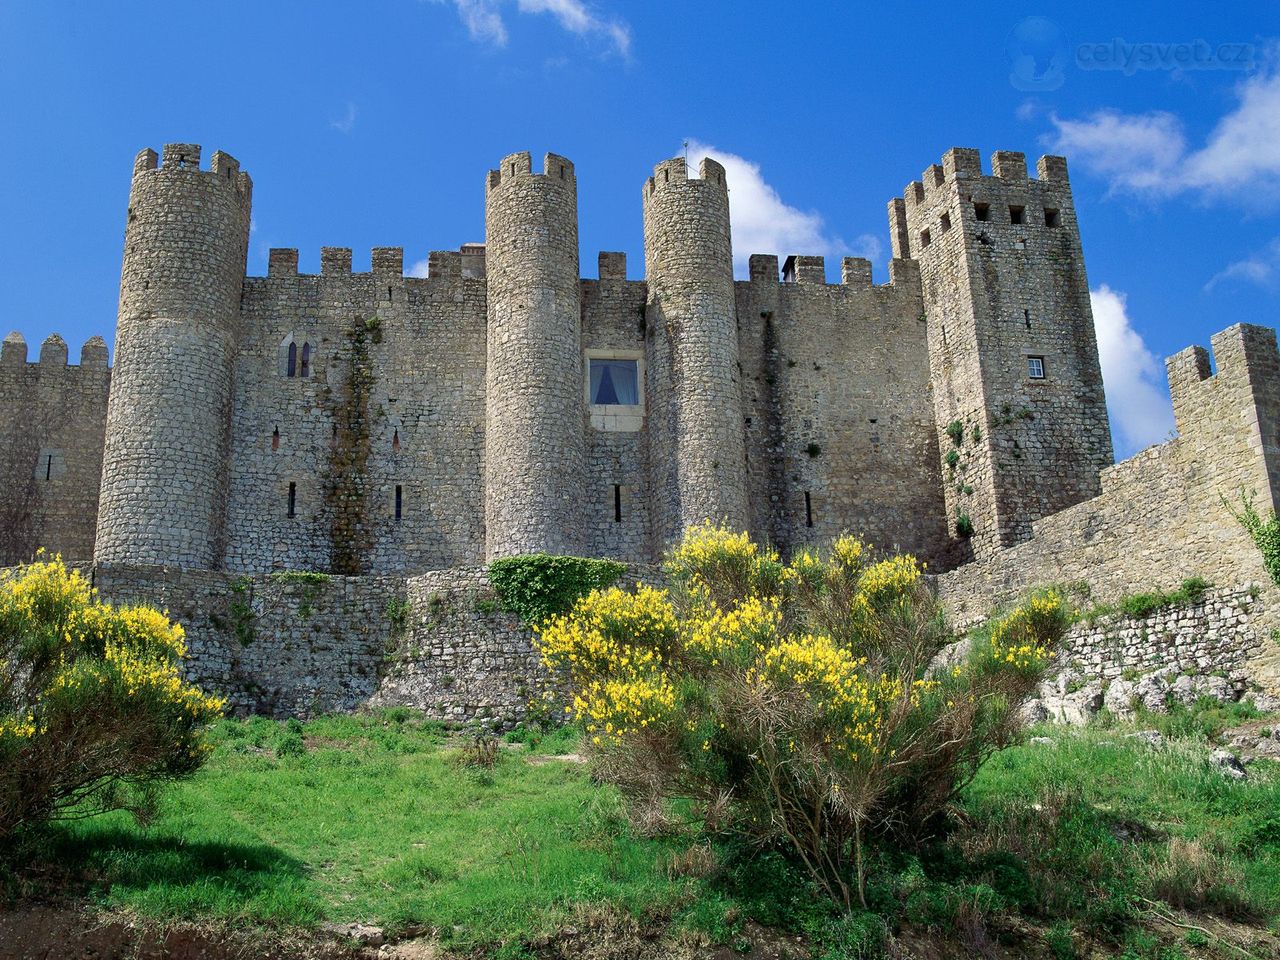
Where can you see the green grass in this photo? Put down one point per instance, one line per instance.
(373, 818)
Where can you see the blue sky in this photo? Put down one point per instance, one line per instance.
(373, 124)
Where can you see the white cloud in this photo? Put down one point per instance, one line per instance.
(1141, 413)
(764, 223)
(1262, 268)
(346, 123)
(484, 21)
(1147, 153)
(419, 268)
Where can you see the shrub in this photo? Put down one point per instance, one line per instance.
(535, 586)
(793, 704)
(94, 714)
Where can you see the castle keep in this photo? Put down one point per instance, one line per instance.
(401, 431)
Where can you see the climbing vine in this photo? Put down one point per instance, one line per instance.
(1263, 531)
(346, 490)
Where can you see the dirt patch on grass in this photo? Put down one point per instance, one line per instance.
(46, 933)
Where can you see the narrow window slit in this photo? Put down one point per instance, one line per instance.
(275, 439)
(808, 509)
(395, 442)
(399, 501)
(48, 468)
(617, 503)
(306, 360)
(293, 499)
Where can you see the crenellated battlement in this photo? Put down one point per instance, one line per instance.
(810, 271)
(1244, 361)
(184, 158)
(959, 193)
(963, 166)
(675, 172)
(53, 353)
(384, 262)
(519, 165)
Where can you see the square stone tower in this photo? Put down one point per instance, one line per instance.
(1022, 419)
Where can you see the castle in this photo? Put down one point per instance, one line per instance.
(386, 427)
(374, 423)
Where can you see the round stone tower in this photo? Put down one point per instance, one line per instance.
(165, 465)
(697, 450)
(534, 420)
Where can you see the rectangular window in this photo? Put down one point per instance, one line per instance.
(1050, 217)
(946, 222)
(617, 503)
(293, 499)
(1015, 214)
(981, 211)
(614, 382)
(925, 239)
(399, 501)
(1035, 368)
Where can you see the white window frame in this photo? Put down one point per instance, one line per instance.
(615, 417)
(1035, 360)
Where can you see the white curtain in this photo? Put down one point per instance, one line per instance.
(614, 382)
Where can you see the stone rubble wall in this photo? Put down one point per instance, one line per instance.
(1176, 654)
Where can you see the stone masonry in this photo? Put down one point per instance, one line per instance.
(393, 433)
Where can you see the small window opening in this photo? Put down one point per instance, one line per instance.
(617, 503)
(981, 212)
(614, 382)
(333, 440)
(562, 171)
(306, 360)
(293, 499)
(513, 169)
(666, 176)
(1015, 214)
(925, 239)
(1050, 217)
(48, 467)
(291, 368)
(182, 161)
(1026, 318)
(808, 509)
(1035, 368)
(395, 442)
(946, 222)
(399, 501)
(275, 439)
(388, 294)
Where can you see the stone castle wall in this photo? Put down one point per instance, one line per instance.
(413, 418)
(839, 423)
(1165, 514)
(52, 424)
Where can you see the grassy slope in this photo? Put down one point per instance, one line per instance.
(374, 819)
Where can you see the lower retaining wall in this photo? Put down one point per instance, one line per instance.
(460, 656)
(276, 644)
(300, 644)
(1216, 635)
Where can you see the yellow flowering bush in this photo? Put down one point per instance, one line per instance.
(94, 712)
(798, 704)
